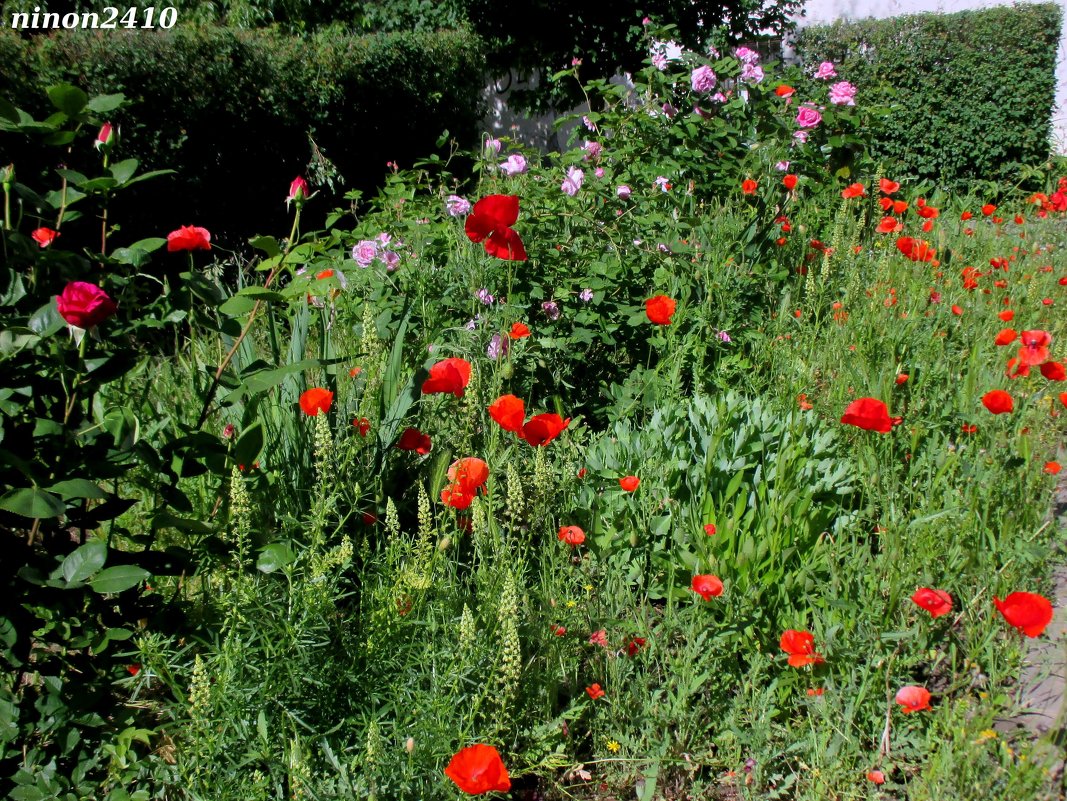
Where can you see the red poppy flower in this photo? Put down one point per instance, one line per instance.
(988, 209)
(870, 414)
(1034, 348)
(889, 225)
(629, 483)
(44, 236)
(916, 249)
(800, 645)
(84, 305)
(595, 691)
(789, 182)
(467, 476)
(1007, 315)
(634, 645)
(888, 187)
(902, 378)
(559, 631)
(1026, 611)
(1016, 370)
(1005, 337)
(784, 90)
(707, 586)
(519, 331)
(133, 669)
(748, 186)
(543, 428)
(189, 237)
(450, 375)
(414, 440)
(572, 535)
(900, 206)
(478, 769)
(966, 216)
(913, 699)
(1054, 371)
(1063, 398)
(936, 602)
(854, 190)
(957, 310)
(508, 411)
(710, 529)
(1051, 468)
(998, 401)
(362, 425)
(876, 777)
(491, 222)
(927, 212)
(659, 309)
(968, 429)
(316, 400)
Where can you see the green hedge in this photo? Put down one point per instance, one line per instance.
(231, 110)
(973, 91)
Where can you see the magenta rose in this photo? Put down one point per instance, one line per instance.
(808, 117)
(84, 305)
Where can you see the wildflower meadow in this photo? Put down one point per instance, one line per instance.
(709, 458)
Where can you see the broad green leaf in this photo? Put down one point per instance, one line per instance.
(102, 104)
(268, 244)
(124, 170)
(275, 556)
(237, 306)
(32, 502)
(77, 488)
(249, 444)
(118, 578)
(84, 561)
(68, 99)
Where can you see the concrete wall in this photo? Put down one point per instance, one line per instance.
(818, 12)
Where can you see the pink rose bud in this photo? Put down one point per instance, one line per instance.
(298, 191)
(106, 138)
(84, 305)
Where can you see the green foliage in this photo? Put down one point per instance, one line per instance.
(203, 100)
(972, 92)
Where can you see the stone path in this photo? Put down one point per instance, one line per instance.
(1043, 679)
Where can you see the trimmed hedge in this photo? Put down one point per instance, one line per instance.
(231, 110)
(973, 90)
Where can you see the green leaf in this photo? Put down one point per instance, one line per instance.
(46, 320)
(268, 244)
(124, 170)
(249, 445)
(237, 306)
(84, 561)
(149, 245)
(68, 99)
(135, 257)
(77, 488)
(118, 578)
(32, 503)
(275, 556)
(102, 104)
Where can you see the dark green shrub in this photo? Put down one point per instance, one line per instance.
(233, 109)
(974, 90)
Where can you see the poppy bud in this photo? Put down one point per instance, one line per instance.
(7, 176)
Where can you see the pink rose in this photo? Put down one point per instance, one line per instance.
(515, 165)
(808, 117)
(298, 190)
(843, 93)
(365, 252)
(84, 305)
(703, 79)
(826, 70)
(573, 182)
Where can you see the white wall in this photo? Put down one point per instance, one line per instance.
(825, 11)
